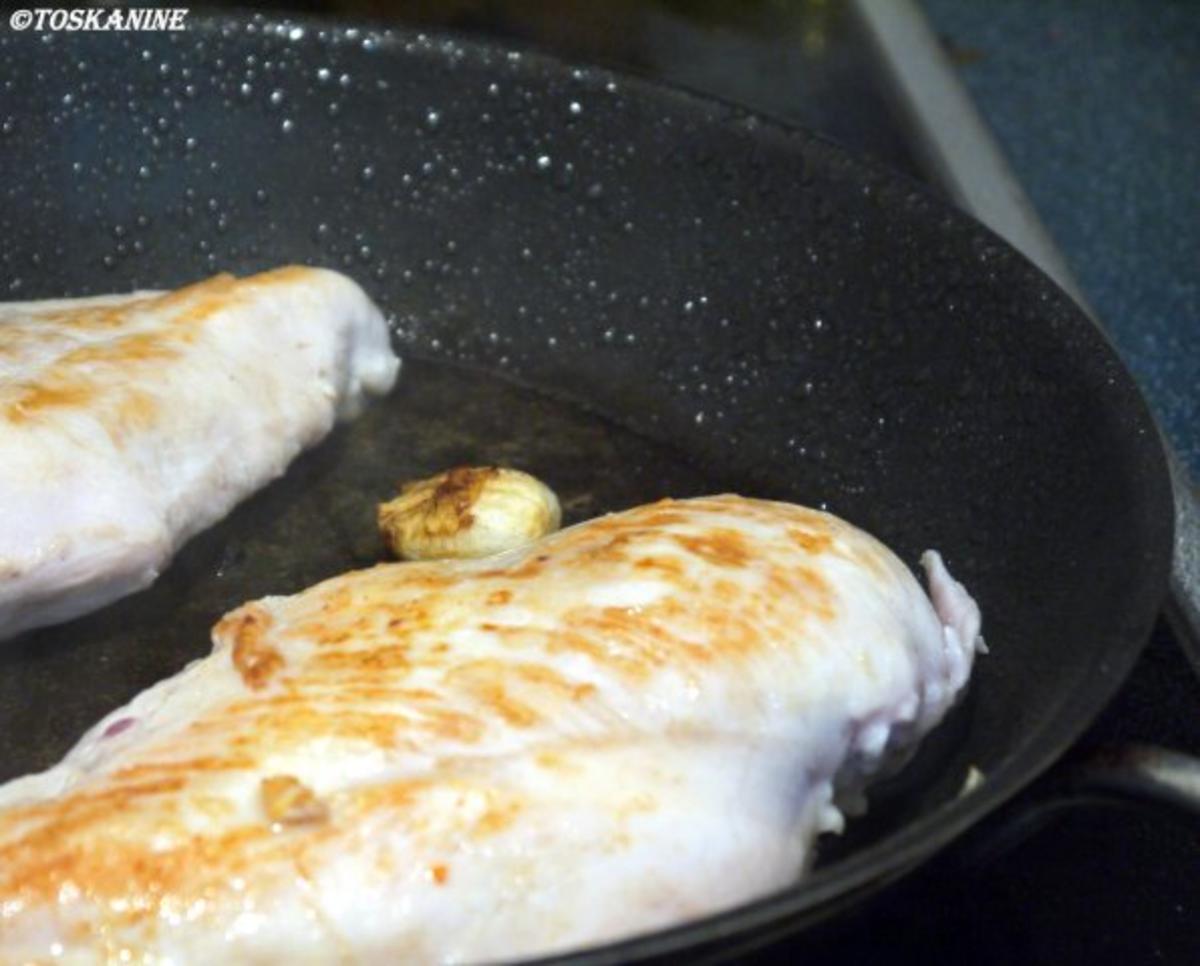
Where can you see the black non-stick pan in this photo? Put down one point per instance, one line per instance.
(632, 292)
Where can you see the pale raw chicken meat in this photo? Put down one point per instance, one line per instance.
(628, 724)
(130, 422)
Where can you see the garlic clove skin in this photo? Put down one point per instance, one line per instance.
(469, 511)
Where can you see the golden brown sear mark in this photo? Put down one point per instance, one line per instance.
(145, 772)
(289, 801)
(660, 516)
(31, 398)
(810, 539)
(485, 682)
(725, 548)
(670, 568)
(82, 318)
(66, 382)
(389, 657)
(803, 583)
(41, 864)
(256, 660)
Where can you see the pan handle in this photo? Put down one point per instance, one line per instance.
(1139, 774)
(1115, 774)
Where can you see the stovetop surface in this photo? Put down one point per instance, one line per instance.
(1096, 107)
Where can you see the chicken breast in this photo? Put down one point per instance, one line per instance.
(630, 723)
(130, 422)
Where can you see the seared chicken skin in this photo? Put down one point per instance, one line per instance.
(130, 422)
(630, 723)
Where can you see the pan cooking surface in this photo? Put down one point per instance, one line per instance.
(730, 304)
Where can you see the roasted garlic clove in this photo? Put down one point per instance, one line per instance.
(470, 511)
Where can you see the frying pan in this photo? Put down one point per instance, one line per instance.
(632, 292)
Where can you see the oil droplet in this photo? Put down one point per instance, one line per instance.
(543, 162)
(432, 119)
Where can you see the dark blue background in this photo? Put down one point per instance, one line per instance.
(1098, 108)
